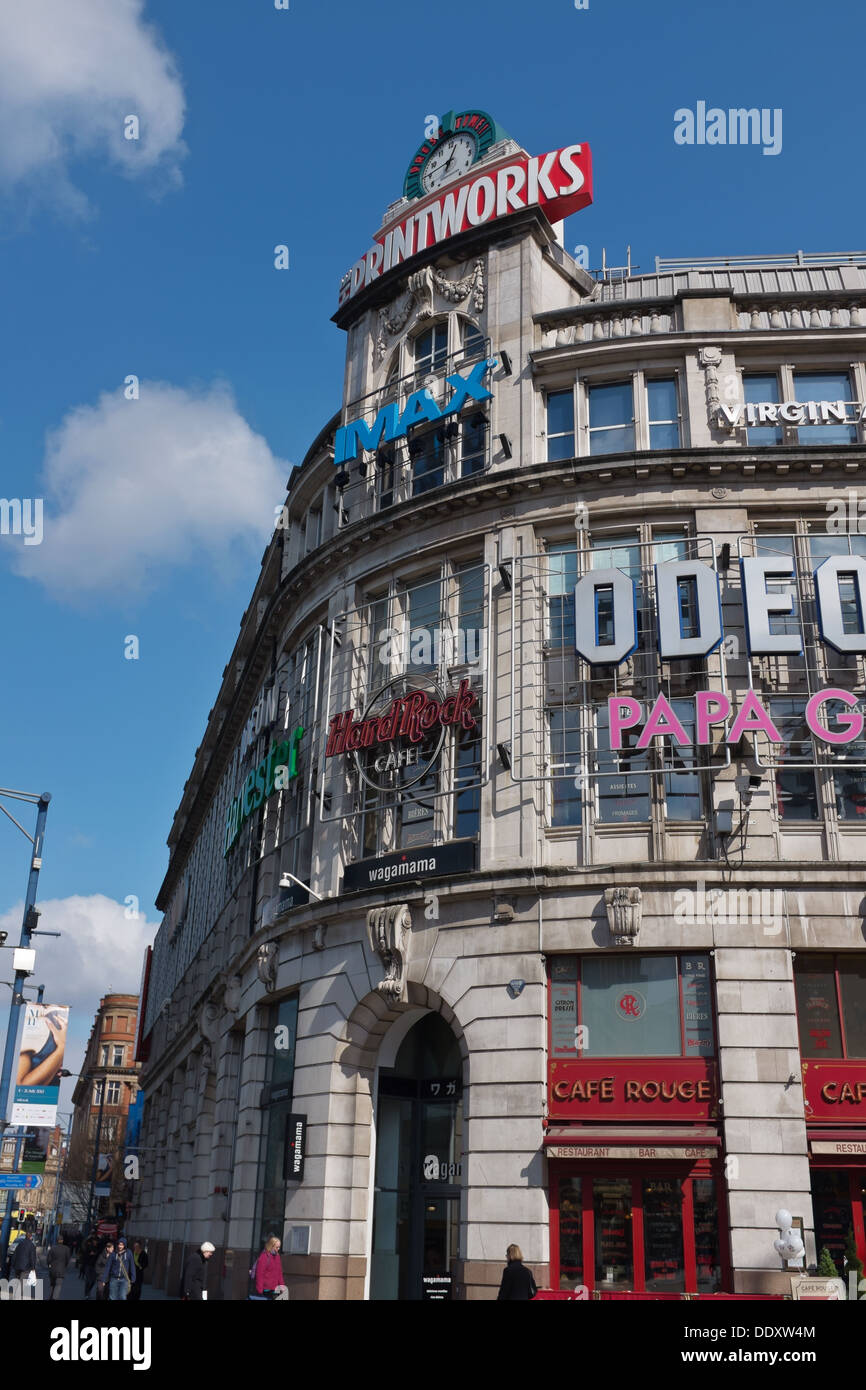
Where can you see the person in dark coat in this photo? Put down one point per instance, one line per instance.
(24, 1258)
(102, 1262)
(517, 1280)
(87, 1263)
(120, 1273)
(140, 1260)
(195, 1272)
(58, 1262)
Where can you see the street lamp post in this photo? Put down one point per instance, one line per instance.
(102, 1086)
(28, 926)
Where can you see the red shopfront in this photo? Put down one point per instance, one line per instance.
(636, 1174)
(831, 1008)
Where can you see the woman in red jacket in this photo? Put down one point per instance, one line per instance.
(269, 1271)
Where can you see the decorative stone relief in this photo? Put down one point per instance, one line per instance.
(319, 936)
(420, 288)
(266, 965)
(232, 996)
(623, 914)
(387, 928)
(208, 1022)
(710, 359)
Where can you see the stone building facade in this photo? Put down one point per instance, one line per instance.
(499, 979)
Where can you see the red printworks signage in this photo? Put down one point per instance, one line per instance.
(559, 183)
(662, 1088)
(835, 1091)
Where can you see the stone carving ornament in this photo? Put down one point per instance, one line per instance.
(266, 965)
(623, 914)
(388, 928)
(419, 291)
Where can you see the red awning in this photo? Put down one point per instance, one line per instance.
(656, 1141)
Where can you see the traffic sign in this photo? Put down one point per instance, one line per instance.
(16, 1180)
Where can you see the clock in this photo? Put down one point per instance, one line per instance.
(453, 156)
(462, 140)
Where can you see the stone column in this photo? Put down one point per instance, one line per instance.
(767, 1164)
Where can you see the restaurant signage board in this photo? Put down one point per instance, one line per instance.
(658, 1088)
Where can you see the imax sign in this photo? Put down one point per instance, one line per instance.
(391, 423)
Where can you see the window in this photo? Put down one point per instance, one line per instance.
(473, 441)
(117, 1054)
(849, 781)
(112, 1093)
(631, 1006)
(424, 617)
(474, 341)
(279, 1084)
(314, 530)
(108, 1024)
(103, 1055)
(663, 413)
(783, 548)
(560, 425)
(565, 766)
(796, 795)
(682, 777)
(831, 1005)
(561, 581)
(759, 389)
(623, 782)
(611, 418)
(431, 349)
(832, 387)
(427, 458)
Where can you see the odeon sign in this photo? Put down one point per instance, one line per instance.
(559, 183)
(391, 423)
(618, 592)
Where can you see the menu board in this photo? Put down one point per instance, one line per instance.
(613, 1227)
(818, 1013)
(663, 1233)
(563, 1007)
(570, 1234)
(697, 1006)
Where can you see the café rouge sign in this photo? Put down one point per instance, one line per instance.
(591, 1090)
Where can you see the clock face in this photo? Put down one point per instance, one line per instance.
(455, 156)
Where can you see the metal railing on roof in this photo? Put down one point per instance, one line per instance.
(765, 262)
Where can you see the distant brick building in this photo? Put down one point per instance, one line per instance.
(103, 1094)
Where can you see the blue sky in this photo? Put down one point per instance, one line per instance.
(155, 258)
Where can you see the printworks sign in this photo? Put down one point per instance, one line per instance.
(626, 1090)
(558, 183)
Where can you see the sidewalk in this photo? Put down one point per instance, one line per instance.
(73, 1290)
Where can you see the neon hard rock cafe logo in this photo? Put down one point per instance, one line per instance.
(400, 735)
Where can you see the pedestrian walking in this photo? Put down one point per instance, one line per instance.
(120, 1273)
(195, 1272)
(59, 1256)
(517, 1280)
(270, 1282)
(87, 1263)
(139, 1259)
(24, 1260)
(101, 1266)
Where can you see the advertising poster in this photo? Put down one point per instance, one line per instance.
(37, 1085)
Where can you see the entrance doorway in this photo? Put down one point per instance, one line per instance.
(419, 1144)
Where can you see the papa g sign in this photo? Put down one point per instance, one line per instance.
(272, 774)
(391, 423)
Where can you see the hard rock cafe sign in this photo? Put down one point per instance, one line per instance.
(399, 737)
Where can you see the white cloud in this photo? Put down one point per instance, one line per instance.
(71, 71)
(134, 486)
(99, 951)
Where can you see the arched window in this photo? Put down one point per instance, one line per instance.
(431, 349)
(474, 341)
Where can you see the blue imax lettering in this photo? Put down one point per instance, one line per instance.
(391, 423)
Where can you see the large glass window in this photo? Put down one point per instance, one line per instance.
(623, 784)
(473, 444)
(427, 458)
(758, 389)
(279, 1083)
(565, 766)
(632, 1006)
(796, 795)
(682, 777)
(614, 1249)
(611, 418)
(663, 1234)
(424, 619)
(560, 425)
(664, 414)
(824, 386)
(831, 1005)
(561, 581)
(431, 349)
(474, 341)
